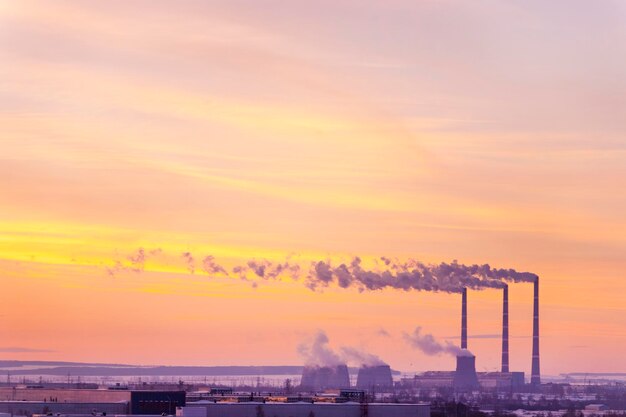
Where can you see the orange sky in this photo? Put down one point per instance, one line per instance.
(491, 133)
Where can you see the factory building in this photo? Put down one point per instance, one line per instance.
(29, 401)
(156, 402)
(302, 409)
(64, 395)
(431, 379)
(499, 381)
(29, 408)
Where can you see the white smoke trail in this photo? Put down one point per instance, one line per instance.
(318, 353)
(427, 344)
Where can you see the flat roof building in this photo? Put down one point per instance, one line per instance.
(303, 409)
(36, 400)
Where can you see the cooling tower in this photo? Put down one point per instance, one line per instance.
(505, 329)
(316, 378)
(464, 320)
(465, 377)
(374, 377)
(535, 378)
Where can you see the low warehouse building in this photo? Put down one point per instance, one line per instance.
(302, 409)
(28, 401)
(28, 408)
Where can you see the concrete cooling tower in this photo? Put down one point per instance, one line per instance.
(374, 377)
(316, 378)
(465, 377)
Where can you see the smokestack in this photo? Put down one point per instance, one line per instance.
(505, 329)
(464, 320)
(535, 378)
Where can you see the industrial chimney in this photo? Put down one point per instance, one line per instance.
(535, 378)
(505, 329)
(464, 320)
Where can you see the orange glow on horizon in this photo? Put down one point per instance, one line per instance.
(306, 132)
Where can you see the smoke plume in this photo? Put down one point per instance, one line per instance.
(134, 262)
(211, 267)
(429, 345)
(319, 353)
(358, 357)
(413, 275)
(409, 275)
(191, 263)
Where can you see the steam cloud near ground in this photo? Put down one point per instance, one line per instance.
(387, 272)
(427, 344)
(318, 353)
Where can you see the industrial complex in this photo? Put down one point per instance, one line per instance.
(327, 391)
(465, 377)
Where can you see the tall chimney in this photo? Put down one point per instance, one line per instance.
(505, 329)
(464, 320)
(535, 378)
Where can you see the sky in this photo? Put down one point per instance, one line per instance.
(484, 132)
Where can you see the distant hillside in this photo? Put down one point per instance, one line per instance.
(98, 369)
(19, 364)
(161, 370)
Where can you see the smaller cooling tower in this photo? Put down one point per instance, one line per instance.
(317, 378)
(371, 377)
(465, 377)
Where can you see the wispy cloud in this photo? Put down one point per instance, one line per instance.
(21, 349)
(383, 332)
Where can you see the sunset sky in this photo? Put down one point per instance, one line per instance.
(485, 131)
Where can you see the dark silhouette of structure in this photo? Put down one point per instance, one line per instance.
(464, 320)
(371, 377)
(465, 378)
(535, 376)
(315, 378)
(505, 329)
